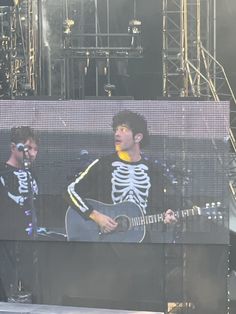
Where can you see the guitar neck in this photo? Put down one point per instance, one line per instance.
(156, 218)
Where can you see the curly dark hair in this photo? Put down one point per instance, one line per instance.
(135, 121)
(21, 134)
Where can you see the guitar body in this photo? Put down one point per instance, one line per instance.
(132, 223)
(79, 229)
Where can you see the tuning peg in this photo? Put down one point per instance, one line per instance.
(207, 205)
(220, 215)
(213, 204)
(218, 204)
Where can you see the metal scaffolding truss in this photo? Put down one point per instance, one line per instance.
(31, 43)
(187, 25)
(18, 46)
(93, 45)
(190, 67)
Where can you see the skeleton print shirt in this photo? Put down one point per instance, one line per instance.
(15, 209)
(112, 180)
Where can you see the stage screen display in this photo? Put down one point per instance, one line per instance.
(183, 168)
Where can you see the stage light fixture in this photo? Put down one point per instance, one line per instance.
(135, 29)
(109, 88)
(68, 24)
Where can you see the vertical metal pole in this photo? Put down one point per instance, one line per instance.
(198, 41)
(12, 74)
(39, 85)
(214, 40)
(184, 45)
(66, 10)
(164, 45)
(96, 43)
(63, 79)
(67, 58)
(1, 22)
(49, 72)
(135, 9)
(108, 43)
(208, 38)
(81, 66)
(208, 26)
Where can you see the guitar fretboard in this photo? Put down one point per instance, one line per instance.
(156, 218)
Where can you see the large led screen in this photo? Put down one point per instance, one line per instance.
(79, 188)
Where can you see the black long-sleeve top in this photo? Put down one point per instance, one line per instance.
(112, 180)
(15, 208)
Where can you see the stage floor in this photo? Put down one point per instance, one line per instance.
(18, 308)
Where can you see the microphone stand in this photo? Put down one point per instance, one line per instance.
(33, 227)
(32, 208)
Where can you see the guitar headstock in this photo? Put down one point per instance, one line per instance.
(213, 211)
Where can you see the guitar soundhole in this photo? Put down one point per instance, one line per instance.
(123, 223)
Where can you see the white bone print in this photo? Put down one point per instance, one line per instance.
(130, 183)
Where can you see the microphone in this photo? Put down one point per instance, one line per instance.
(21, 147)
(83, 153)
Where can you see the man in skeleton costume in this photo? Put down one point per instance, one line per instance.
(18, 184)
(122, 176)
